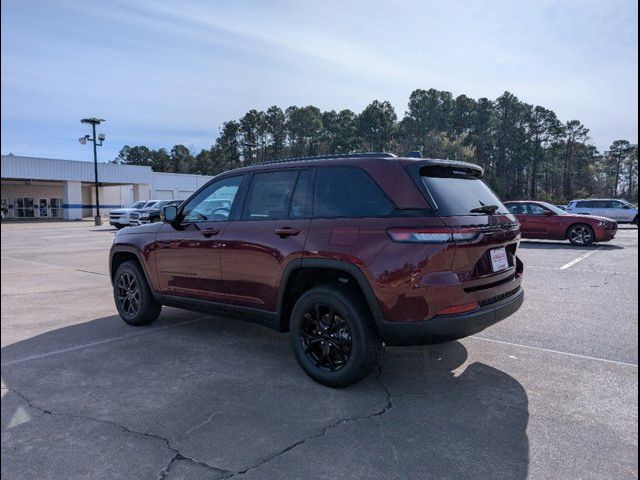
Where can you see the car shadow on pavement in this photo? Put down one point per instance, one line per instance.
(550, 245)
(230, 395)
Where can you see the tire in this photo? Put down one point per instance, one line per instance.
(635, 221)
(133, 297)
(581, 234)
(119, 226)
(335, 350)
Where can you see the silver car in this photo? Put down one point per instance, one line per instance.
(619, 210)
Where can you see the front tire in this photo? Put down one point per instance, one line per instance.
(133, 297)
(333, 336)
(581, 234)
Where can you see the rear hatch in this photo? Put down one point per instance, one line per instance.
(486, 234)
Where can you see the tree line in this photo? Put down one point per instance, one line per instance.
(526, 151)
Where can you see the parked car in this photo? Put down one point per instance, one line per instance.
(545, 221)
(151, 213)
(119, 217)
(618, 210)
(343, 252)
(562, 207)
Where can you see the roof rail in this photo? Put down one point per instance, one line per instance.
(328, 157)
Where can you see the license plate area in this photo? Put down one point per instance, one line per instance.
(499, 259)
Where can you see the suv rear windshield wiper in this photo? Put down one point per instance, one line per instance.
(488, 209)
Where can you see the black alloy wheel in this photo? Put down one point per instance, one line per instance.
(325, 337)
(333, 335)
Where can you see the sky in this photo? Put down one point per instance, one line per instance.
(166, 72)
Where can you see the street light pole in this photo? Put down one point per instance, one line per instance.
(83, 140)
(98, 219)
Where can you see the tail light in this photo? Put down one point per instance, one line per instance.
(433, 235)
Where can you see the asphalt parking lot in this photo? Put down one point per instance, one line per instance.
(549, 393)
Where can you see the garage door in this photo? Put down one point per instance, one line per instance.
(163, 195)
(183, 195)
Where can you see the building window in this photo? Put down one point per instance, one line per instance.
(24, 207)
(56, 207)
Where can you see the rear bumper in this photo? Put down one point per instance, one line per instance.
(449, 327)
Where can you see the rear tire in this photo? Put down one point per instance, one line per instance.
(581, 234)
(333, 336)
(133, 297)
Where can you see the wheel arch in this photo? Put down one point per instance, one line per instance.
(121, 254)
(301, 275)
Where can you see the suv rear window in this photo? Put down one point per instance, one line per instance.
(456, 192)
(348, 192)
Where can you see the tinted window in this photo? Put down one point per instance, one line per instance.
(214, 202)
(535, 209)
(302, 201)
(270, 195)
(517, 208)
(614, 204)
(456, 192)
(600, 204)
(348, 192)
(588, 204)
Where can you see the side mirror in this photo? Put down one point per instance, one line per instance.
(626, 207)
(548, 213)
(170, 213)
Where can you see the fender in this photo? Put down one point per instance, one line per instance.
(346, 267)
(124, 248)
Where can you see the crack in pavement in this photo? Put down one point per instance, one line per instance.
(324, 431)
(223, 473)
(201, 424)
(164, 472)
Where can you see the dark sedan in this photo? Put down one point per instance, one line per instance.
(548, 222)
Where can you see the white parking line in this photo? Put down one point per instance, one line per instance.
(538, 267)
(100, 342)
(579, 259)
(559, 352)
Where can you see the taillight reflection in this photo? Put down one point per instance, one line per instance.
(433, 235)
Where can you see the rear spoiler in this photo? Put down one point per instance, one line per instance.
(414, 165)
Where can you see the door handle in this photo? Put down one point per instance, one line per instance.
(286, 232)
(209, 232)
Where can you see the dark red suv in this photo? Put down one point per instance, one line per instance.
(346, 252)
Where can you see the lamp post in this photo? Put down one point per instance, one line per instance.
(83, 140)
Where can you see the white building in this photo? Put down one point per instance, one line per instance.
(52, 188)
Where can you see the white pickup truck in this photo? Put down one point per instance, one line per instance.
(119, 217)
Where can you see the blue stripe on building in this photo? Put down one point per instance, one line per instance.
(79, 205)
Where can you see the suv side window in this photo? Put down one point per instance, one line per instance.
(213, 203)
(269, 195)
(348, 192)
(302, 201)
